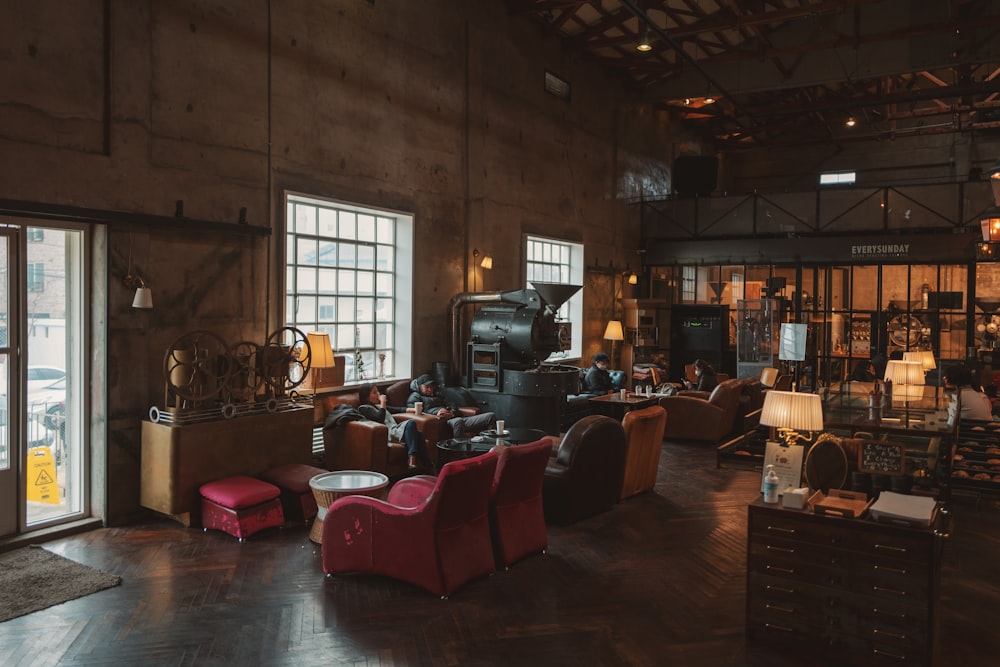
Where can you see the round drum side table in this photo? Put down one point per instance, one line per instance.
(332, 485)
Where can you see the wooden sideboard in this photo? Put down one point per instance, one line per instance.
(865, 592)
(178, 459)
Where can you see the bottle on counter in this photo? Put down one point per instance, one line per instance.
(771, 486)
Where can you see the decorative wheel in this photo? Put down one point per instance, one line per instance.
(196, 366)
(905, 330)
(245, 380)
(285, 359)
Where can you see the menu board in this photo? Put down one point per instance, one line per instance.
(881, 457)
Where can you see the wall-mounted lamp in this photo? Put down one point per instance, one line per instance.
(487, 262)
(143, 295)
(633, 279)
(850, 122)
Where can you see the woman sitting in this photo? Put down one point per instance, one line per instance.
(373, 407)
(707, 379)
(975, 404)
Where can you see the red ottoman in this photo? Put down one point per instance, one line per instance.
(297, 499)
(240, 506)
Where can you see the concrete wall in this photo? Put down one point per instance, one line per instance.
(434, 107)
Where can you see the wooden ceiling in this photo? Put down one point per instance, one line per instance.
(793, 72)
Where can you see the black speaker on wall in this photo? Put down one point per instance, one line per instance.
(695, 175)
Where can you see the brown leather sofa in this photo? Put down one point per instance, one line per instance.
(692, 416)
(365, 445)
(644, 439)
(585, 475)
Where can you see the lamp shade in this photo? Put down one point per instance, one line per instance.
(925, 357)
(614, 331)
(143, 298)
(794, 410)
(902, 372)
(487, 262)
(793, 342)
(322, 351)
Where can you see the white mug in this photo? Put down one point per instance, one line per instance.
(500, 425)
(418, 407)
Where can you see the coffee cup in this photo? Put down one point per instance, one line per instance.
(500, 425)
(623, 394)
(418, 407)
(381, 401)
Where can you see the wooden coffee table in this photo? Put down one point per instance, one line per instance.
(614, 406)
(332, 485)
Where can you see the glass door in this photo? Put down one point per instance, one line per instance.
(9, 459)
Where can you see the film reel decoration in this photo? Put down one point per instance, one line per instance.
(195, 368)
(285, 359)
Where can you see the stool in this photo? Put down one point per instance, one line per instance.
(297, 499)
(240, 506)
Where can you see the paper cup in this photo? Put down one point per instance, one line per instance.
(382, 400)
(623, 394)
(418, 407)
(500, 425)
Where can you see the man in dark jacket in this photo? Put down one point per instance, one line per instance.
(598, 379)
(424, 389)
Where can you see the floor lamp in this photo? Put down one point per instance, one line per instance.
(614, 332)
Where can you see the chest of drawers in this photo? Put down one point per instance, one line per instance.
(865, 591)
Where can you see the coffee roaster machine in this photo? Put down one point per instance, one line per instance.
(511, 335)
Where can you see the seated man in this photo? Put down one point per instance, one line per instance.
(424, 389)
(598, 379)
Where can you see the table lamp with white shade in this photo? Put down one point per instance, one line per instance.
(791, 412)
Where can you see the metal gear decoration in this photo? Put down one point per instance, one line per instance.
(196, 367)
(284, 360)
(245, 380)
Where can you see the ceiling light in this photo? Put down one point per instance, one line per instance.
(851, 122)
(644, 44)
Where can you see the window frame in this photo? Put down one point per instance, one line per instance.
(572, 310)
(383, 313)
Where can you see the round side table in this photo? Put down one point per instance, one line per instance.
(332, 485)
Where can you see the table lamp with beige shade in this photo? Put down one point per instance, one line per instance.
(323, 361)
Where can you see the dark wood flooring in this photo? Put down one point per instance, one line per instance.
(658, 580)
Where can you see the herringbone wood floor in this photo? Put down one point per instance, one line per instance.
(658, 580)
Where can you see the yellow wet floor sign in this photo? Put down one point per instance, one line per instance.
(42, 484)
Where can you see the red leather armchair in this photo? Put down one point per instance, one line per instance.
(644, 438)
(517, 519)
(365, 445)
(585, 475)
(438, 538)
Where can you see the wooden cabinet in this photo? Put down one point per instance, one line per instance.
(178, 459)
(866, 592)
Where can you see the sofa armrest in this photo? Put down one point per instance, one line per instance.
(357, 445)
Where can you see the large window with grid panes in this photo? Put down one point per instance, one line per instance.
(348, 273)
(555, 261)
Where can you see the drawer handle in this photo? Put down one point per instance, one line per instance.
(779, 529)
(886, 547)
(882, 612)
(780, 589)
(893, 570)
(894, 656)
(882, 589)
(876, 631)
(772, 626)
(772, 607)
(783, 550)
(783, 570)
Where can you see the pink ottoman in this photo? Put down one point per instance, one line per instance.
(240, 506)
(297, 499)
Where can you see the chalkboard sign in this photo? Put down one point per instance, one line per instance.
(881, 457)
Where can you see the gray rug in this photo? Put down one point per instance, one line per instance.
(33, 578)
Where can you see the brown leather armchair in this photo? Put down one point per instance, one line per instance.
(365, 445)
(644, 438)
(585, 475)
(690, 417)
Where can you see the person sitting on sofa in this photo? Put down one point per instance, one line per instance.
(707, 379)
(424, 389)
(406, 432)
(598, 379)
